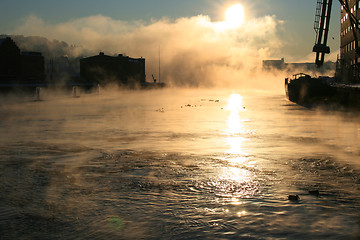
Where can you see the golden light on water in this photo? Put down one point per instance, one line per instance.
(237, 174)
(236, 145)
(240, 178)
(242, 213)
(235, 128)
(235, 103)
(236, 201)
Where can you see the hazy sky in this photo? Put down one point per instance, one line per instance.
(295, 17)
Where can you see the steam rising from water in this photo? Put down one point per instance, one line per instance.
(195, 157)
(194, 51)
(122, 165)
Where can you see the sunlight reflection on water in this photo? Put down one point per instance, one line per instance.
(238, 179)
(209, 165)
(235, 127)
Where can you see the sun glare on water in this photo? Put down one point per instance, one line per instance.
(235, 128)
(234, 102)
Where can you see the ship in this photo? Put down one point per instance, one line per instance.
(323, 91)
(343, 89)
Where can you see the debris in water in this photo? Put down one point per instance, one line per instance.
(160, 110)
(293, 197)
(314, 192)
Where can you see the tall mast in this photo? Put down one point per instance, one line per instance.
(159, 65)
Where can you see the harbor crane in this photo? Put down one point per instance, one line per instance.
(321, 27)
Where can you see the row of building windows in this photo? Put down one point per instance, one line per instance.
(347, 51)
(349, 47)
(353, 62)
(343, 19)
(346, 16)
(353, 10)
(346, 31)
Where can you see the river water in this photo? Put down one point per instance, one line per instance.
(177, 164)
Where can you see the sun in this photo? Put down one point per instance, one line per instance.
(235, 16)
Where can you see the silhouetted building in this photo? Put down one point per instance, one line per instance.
(20, 68)
(281, 65)
(33, 67)
(270, 64)
(10, 61)
(120, 69)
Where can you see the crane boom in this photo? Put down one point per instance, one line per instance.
(322, 23)
(321, 26)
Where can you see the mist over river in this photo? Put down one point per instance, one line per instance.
(177, 164)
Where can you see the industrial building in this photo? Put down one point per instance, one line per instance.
(121, 70)
(348, 67)
(20, 68)
(269, 65)
(281, 65)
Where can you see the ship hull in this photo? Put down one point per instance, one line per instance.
(308, 91)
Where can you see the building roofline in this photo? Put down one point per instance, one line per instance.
(101, 55)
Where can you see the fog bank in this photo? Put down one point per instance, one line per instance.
(194, 51)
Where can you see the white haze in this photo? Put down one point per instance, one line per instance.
(194, 51)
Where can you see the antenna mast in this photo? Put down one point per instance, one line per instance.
(159, 65)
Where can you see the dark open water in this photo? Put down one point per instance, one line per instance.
(177, 164)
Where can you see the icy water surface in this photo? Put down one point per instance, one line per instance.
(177, 164)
